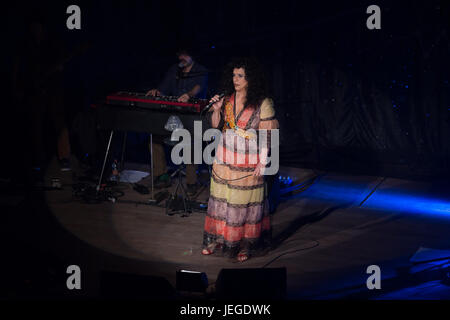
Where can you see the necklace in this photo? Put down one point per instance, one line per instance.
(236, 116)
(231, 120)
(234, 111)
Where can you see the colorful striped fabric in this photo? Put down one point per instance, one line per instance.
(238, 214)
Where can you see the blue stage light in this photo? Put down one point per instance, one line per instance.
(403, 202)
(396, 200)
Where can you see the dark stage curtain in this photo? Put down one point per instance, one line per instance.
(347, 120)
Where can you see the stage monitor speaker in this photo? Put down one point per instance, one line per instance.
(251, 284)
(192, 281)
(114, 285)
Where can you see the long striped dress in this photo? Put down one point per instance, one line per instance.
(238, 213)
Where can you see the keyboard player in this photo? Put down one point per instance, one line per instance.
(186, 79)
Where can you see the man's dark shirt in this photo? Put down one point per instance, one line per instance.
(176, 82)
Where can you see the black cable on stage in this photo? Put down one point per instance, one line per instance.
(87, 192)
(289, 252)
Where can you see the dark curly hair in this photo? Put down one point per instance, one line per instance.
(254, 74)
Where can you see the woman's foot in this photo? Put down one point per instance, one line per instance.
(207, 252)
(242, 256)
(210, 249)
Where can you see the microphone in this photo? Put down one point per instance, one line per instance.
(211, 103)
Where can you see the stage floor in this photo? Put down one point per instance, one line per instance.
(326, 237)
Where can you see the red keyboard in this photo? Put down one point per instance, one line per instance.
(140, 100)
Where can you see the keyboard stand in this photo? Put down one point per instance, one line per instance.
(152, 199)
(104, 161)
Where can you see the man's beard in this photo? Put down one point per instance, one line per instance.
(184, 64)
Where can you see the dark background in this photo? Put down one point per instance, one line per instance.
(347, 98)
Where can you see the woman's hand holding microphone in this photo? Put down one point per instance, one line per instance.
(215, 117)
(218, 100)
